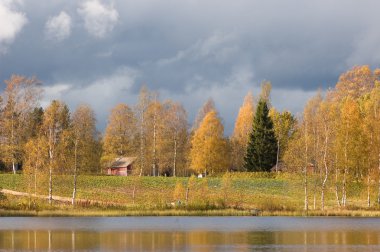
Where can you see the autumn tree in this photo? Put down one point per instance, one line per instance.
(85, 142)
(349, 136)
(240, 135)
(20, 97)
(208, 146)
(173, 140)
(326, 118)
(370, 138)
(35, 160)
(153, 133)
(372, 124)
(356, 82)
(303, 150)
(145, 99)
(56, 121)
(284, 123)
(262, 147)
(296, 157)
(207, 107)
(120, 138)
(313, 143)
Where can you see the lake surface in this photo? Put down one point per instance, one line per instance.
(189, 234)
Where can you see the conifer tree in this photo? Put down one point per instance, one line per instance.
(262, 147)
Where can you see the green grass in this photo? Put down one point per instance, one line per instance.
(271, 194)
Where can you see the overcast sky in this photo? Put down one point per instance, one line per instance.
(100, 52)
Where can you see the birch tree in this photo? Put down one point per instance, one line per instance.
(56, 120)
(121, 134)
(154, 129)
(313, 141)
(242, 129)
(283, 124)
(349, 138)
(20, 97)
(84, 136)
(145, 98)
(174, 137)
(208, 146)
(355, 82)
(326, 122)
(35, 160)
(207, 107)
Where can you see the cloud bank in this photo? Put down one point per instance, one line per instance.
(187, 50)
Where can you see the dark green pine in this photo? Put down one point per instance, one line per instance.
(262, 146)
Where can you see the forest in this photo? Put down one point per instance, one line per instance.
(333, 145)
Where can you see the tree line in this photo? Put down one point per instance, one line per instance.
(336, 138)
(156, 132)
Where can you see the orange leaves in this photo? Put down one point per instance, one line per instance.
(243, 127)
(356, 82)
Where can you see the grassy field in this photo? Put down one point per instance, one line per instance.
(243, 194)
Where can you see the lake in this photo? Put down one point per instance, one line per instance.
(189, 234)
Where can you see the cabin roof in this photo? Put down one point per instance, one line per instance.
(123, 162)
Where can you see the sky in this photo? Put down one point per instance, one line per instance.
(101, 52)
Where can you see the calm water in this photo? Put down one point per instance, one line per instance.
(190, 234)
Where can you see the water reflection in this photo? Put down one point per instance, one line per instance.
(190, 233)
(35, 240)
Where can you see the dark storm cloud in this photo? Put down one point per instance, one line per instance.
(100, 52)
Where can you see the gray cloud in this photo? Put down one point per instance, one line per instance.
(191, 50)
(99, 19)
(58, 28)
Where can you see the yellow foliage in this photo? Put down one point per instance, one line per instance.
(356, 82)
(179, 191)
(240, 135)
(120, 132)
(209, 147)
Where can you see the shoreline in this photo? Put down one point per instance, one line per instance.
(179, 212)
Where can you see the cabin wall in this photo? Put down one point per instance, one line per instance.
(120, 171)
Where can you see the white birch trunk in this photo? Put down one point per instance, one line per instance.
(51, 156)
(306, 206)
(13, 144)
(154, 139)
(336, 182)
(175, 156)
(344, 193)
(278, 153)
(326, 168)
(142, 143)
(75, 172)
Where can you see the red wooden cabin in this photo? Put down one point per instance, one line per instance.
(122, 166)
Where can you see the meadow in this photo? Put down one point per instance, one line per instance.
(232, 194)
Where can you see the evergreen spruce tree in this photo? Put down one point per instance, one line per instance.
(262, 147)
